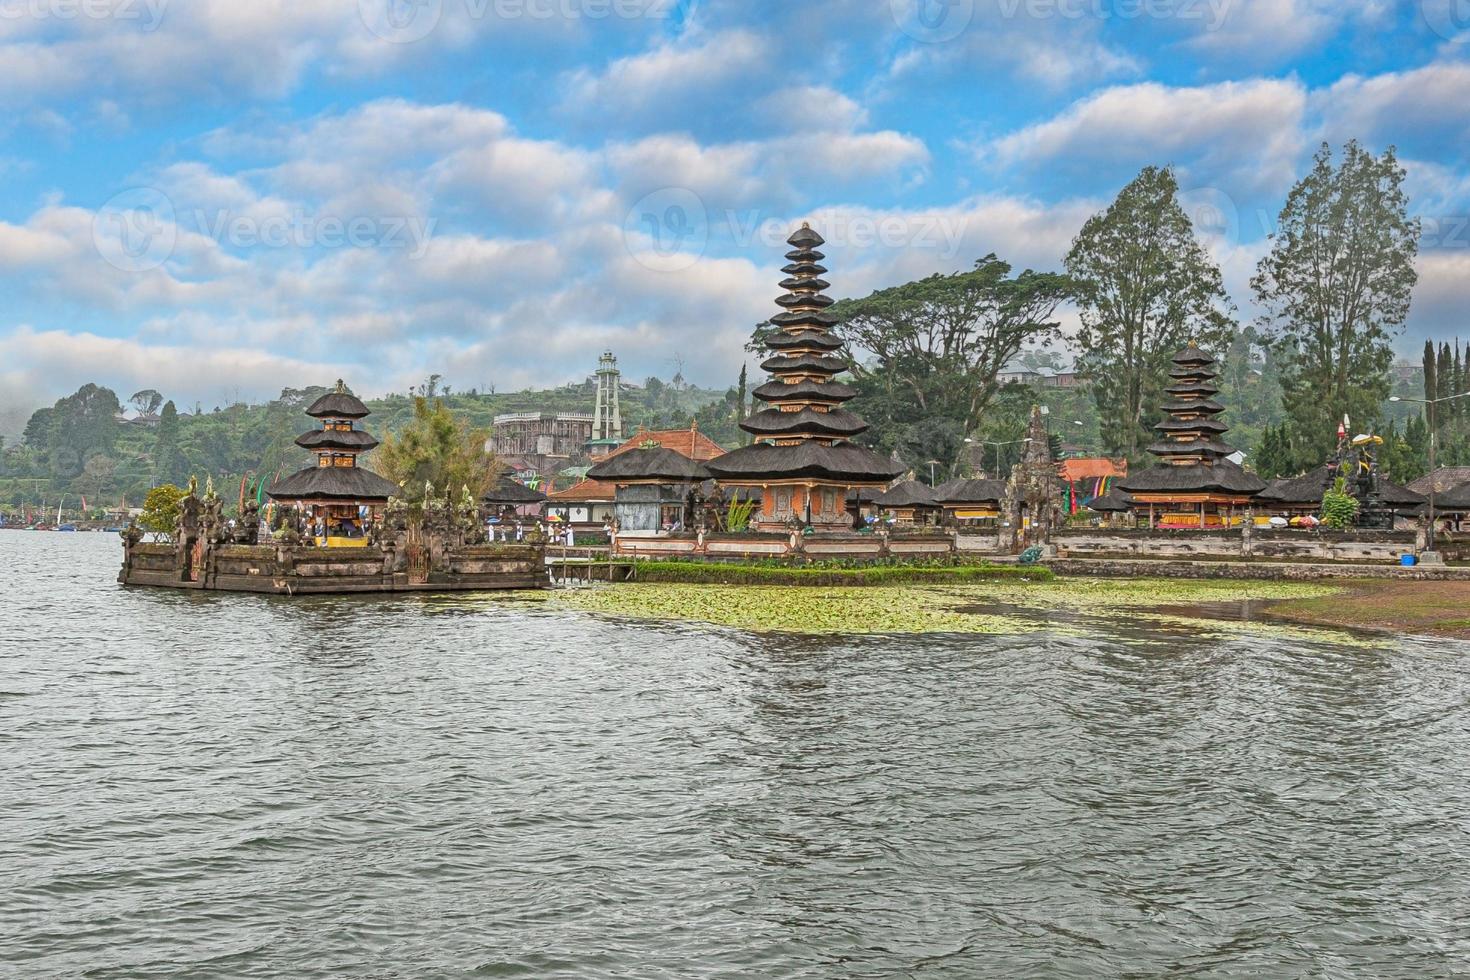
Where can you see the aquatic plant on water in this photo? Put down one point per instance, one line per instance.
(1000, 606)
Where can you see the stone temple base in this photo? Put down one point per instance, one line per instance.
(794, 546)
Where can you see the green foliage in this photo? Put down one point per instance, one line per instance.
(1250, 390)
(737, 517)
(1146, 287)
(438, 448)
(1339, 508)
(37, 435)
(938, 343)
(168, 459)
(146, 401)
(1336, 288)
(161, 509)
(1274, 456)
(237, 441)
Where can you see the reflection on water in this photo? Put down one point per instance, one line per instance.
(206, 785)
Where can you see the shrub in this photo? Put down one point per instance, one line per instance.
(161, 509)
(1339, 508)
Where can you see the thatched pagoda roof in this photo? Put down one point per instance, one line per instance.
(971, 492)
(1442, 480)
(910, 493)
(1308, 490)
(843, 462)
(1454, 499)
(345, 483)
(827, 391)
(652, 465)
(338, 404)
(509, 491)
(774, 422)
(356, 441)
(1222, 476)
(1115, 501)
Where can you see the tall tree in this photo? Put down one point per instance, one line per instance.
(1146, 287)
(168, 458)
(1336, 289)
(937, 345)
(744, 396)
(83, 425)
(37, 435)
(1431, 370)
(440, 448)
(146, 401)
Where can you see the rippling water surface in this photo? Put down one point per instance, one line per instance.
(235, 786)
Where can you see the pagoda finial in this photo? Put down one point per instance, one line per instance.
(341, 387)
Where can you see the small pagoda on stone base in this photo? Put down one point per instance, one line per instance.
(336, 490)
(803, 461)
(1195, 485)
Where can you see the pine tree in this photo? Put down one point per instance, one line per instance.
(1431, 370)
(740, 407)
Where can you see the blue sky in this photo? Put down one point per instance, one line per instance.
(220, 198)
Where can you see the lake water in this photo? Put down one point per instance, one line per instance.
(238, 786)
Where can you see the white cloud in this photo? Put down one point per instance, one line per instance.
(1249, 131)
(1426, 103)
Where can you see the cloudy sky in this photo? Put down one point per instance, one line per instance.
(220, 198)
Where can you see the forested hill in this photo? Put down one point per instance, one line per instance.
(79, 448)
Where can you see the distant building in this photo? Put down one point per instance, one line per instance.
(1405, 373)
(548, 441)
(1063, 379)
(607, 418)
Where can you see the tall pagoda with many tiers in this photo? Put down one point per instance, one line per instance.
(1195, 485)
(803, 461)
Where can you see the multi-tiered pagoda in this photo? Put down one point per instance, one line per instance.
(336, 491)
(1195, 483)
(803, 461)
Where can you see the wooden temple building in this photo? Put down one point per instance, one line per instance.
(803, 459)
(971, 503)
(1195, 484)
(655, 488)
(910, 502)
(1301, 496)
(338, 498)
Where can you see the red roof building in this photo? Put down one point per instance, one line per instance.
(1098, 468)
(689, 443)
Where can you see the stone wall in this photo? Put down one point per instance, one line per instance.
(304, 569)
(815, 547)
(1257, 543)
(1272, 571)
